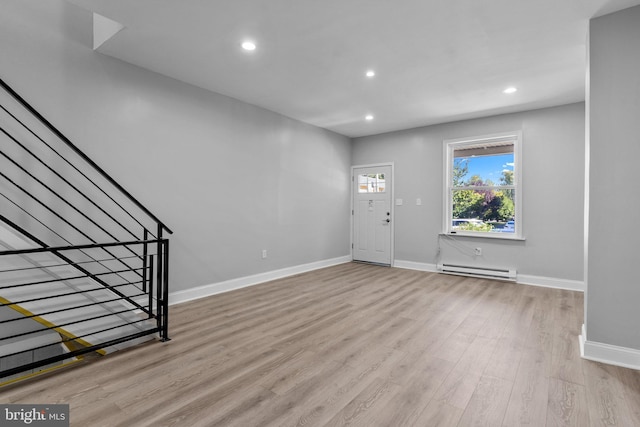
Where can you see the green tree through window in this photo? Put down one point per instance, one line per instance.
(482, 184)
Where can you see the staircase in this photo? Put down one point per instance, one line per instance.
(83, 264)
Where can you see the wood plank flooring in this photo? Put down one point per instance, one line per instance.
(355, 345)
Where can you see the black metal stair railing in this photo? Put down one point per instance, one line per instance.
(80, 257)
(119, 322)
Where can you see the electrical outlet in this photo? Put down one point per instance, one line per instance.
(477, 251)
(264, 253)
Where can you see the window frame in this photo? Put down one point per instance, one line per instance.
(449, 145)
(380, 189)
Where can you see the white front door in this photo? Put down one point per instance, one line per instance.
(372, 221)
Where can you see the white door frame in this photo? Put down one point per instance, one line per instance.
(391, 203)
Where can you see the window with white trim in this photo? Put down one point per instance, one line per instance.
(483, 186)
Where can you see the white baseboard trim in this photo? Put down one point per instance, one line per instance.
(411, 265)
(548, 282)
(607, 353)
(551, 282)
(179, 297)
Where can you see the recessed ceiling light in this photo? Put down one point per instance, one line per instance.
(248, 45)
(368, 117)
(510, 90)
(371, 73)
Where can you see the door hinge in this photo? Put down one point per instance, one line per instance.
(351, 211)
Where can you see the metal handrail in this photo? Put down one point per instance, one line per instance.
(92, 221)
(58, 252)
(78, 247)
(41, 243)
(56, 173)
(63, 264)
(82, 155)
(146, 259)
(159, 312)
(74, 167)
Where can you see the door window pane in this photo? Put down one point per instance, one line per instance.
(371, 183)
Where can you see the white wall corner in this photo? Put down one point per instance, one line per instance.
(551, 282)
(179, 297)
(607, 353)
(582, 338)
(411, 265)
(103, 29)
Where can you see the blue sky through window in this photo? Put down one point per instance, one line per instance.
(489, 167)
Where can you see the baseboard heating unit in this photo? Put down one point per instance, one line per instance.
(483, 272)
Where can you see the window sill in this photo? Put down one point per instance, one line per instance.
(497, 236)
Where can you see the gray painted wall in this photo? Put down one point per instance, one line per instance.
(229, 178)
(232, 179)
(613, 290)
(553, 192)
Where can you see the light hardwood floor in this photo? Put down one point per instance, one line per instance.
(355, 345)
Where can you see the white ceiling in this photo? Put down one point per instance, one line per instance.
(435, 60)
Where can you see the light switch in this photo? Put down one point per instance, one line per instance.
(398, 202)
(418, 201)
